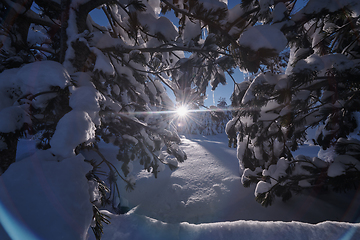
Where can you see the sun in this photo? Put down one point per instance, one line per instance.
(182, 111)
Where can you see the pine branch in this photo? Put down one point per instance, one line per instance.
(206, 21)
(242, 18)
(350, 23)
(32, 17)
(112, 167)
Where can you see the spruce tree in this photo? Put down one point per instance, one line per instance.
(317, 89)
(69, 82)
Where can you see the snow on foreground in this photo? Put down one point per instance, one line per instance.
(202, 199)
(136, 227)
(45, 199)
(206, 188)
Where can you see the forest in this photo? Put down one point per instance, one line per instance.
(86, 114)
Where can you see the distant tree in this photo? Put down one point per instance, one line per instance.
(222, 103)
(210, 121)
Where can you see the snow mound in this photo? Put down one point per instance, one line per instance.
(207, 188)
(51, 198)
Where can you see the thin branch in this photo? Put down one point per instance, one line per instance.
(110, 165)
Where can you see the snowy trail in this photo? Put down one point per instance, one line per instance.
(207, 188)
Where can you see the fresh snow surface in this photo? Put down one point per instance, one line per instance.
(136, 227)
(202, 199)
(41, 198)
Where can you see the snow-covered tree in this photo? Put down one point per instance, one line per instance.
(68, 82)
(317, 89)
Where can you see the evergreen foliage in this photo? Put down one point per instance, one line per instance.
(111, 83)
(107, 83)
(316, 90)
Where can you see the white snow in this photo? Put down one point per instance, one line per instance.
(207, 188)
(322, 63)
(45, 194)
(192, 30)
(202, 199)
(13, 118)
(36, 35)
(8, 88)
(73, 129)
(213, 4)
(102, 63)
(41, 198)
(138, 227)
(262, 187)
(38, 77)
(341, 164)
(87, 98)
(314, 7)
(234, 13)
(160, 25)
(263, 36)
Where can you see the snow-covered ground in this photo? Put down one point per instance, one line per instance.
(202, 199)
(206, 188)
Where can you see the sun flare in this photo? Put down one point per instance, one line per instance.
(182, 111)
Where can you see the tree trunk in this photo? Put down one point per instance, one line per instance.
(8, 155)
(14, 20)
(65, 5)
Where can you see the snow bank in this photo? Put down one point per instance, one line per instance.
(207, 188)
(135, 227)
(51, 198)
